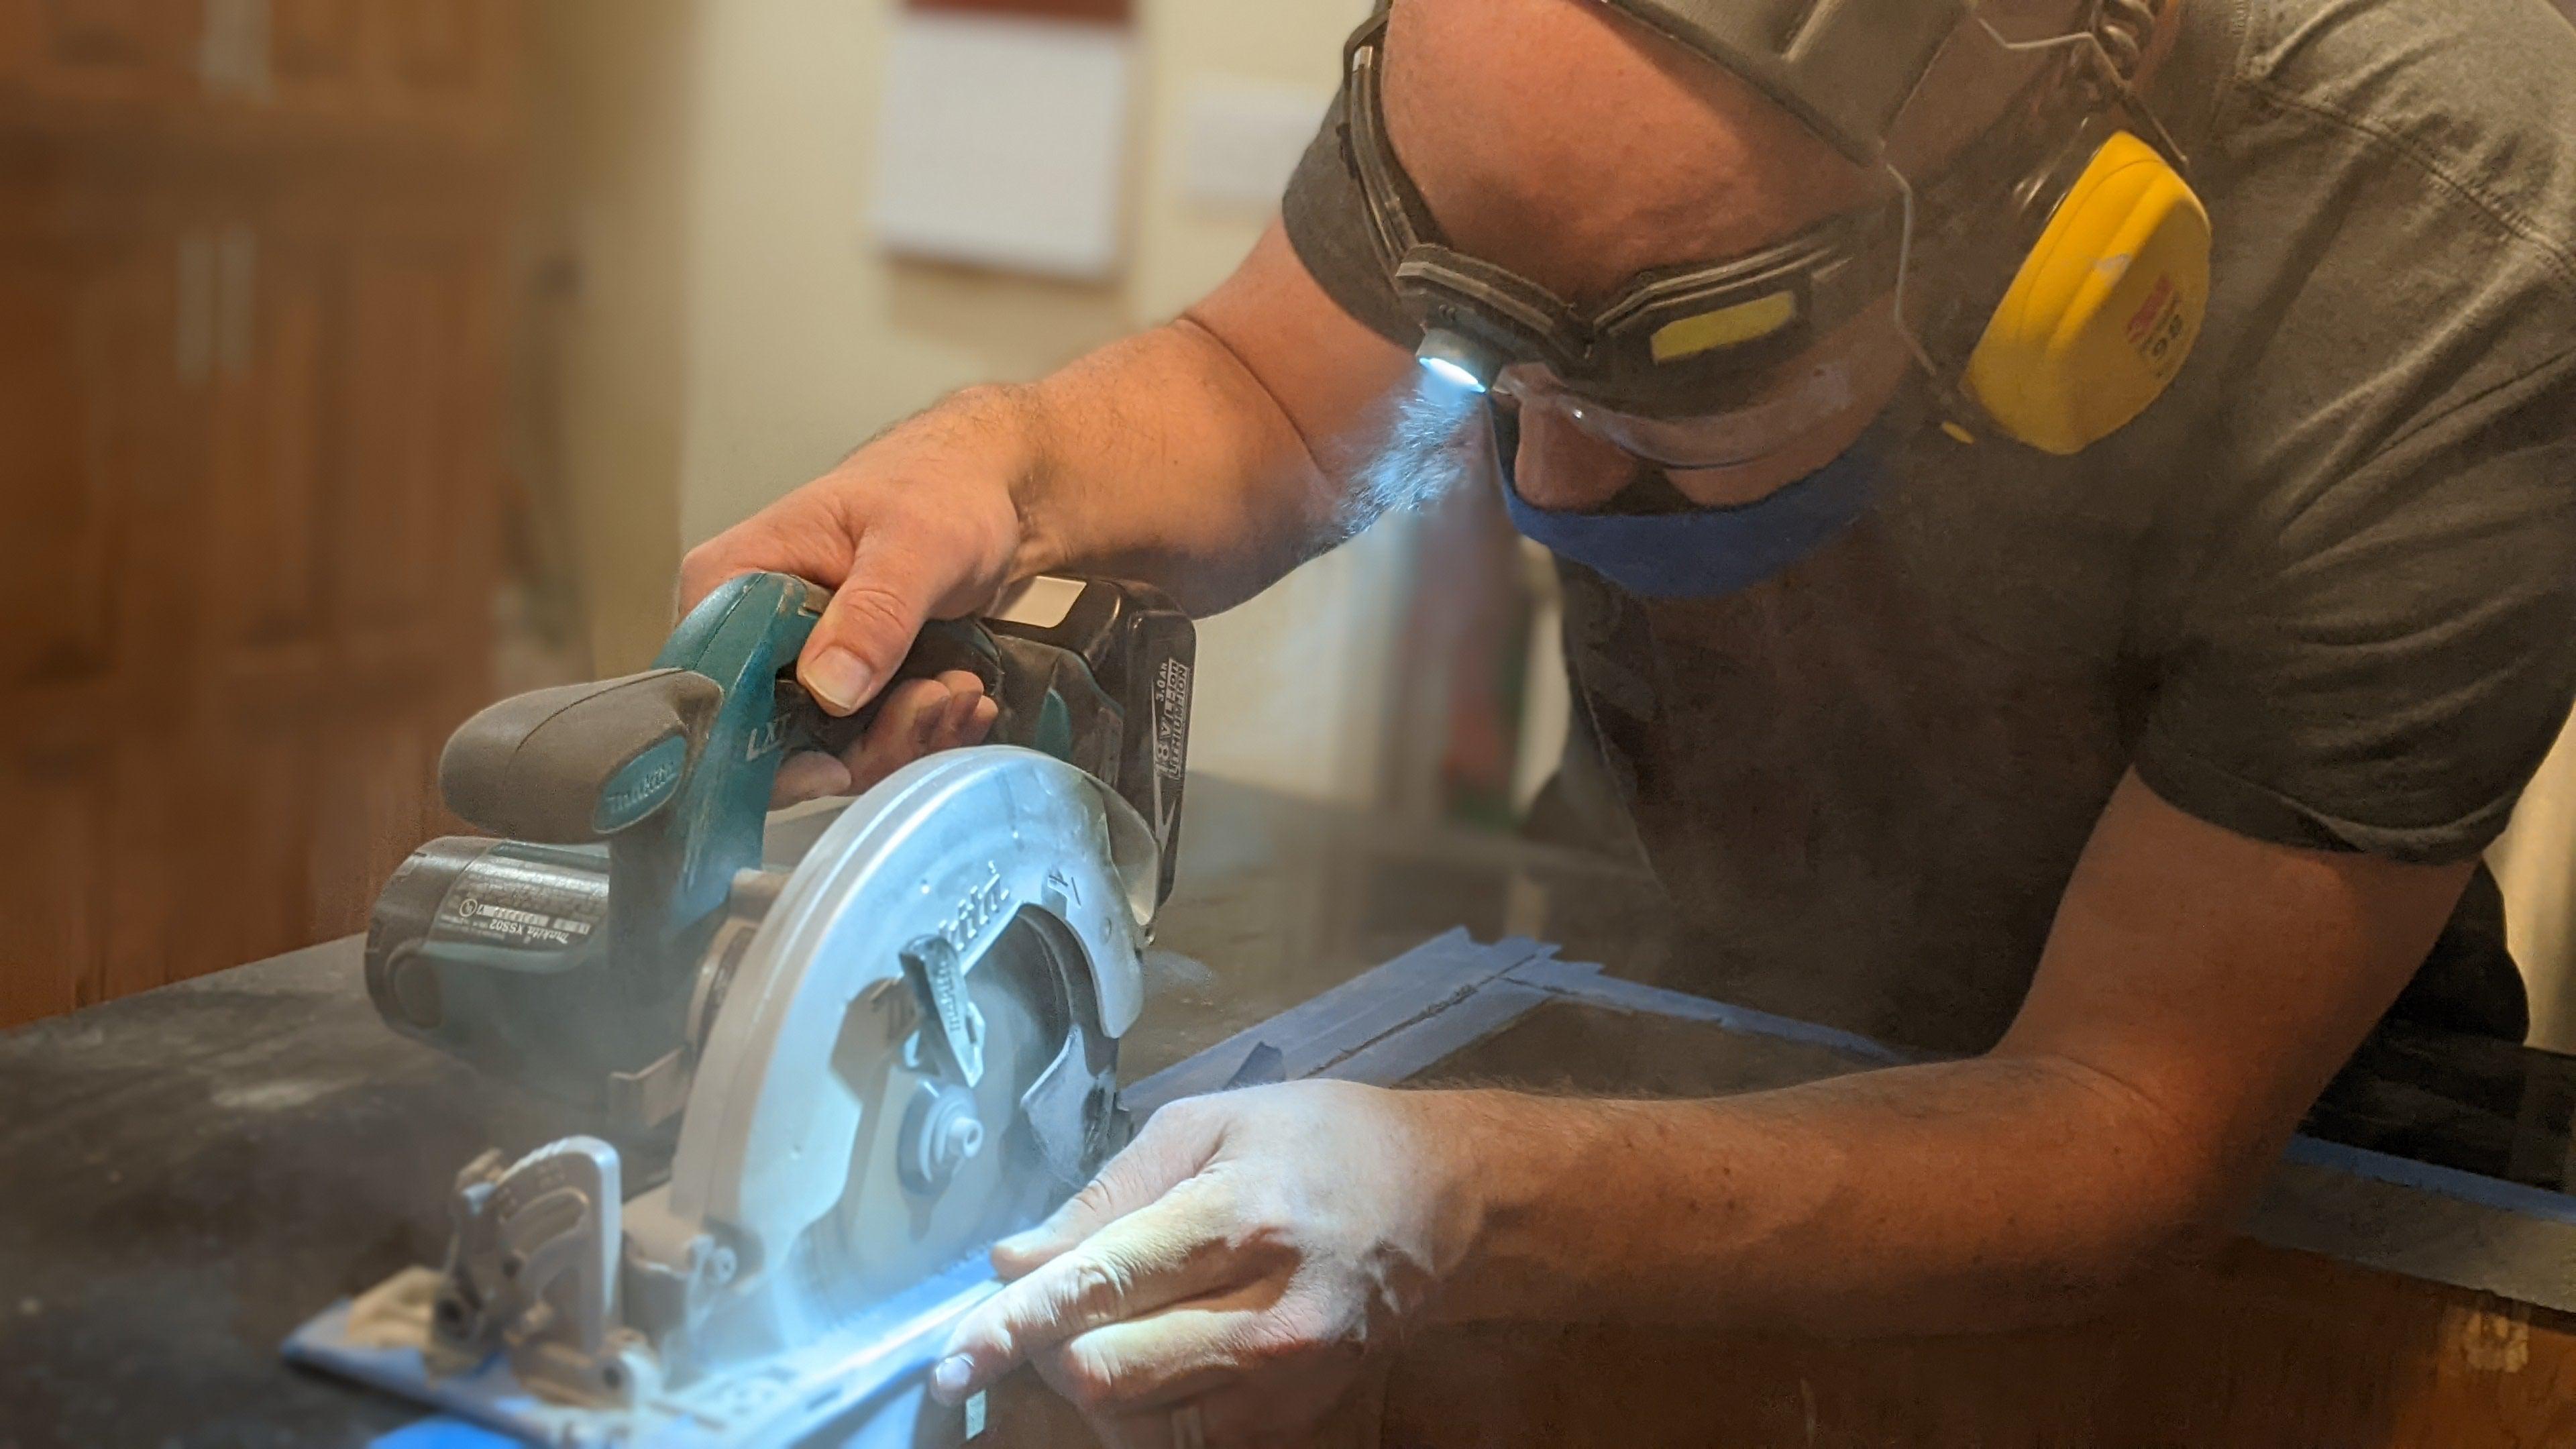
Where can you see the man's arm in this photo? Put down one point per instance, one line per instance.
(1213, 455)
(2198, 990)
(1207, 456)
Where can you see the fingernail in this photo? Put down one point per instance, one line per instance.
(839, 678)
(949, 1379)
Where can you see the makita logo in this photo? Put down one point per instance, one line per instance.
(980, 907)
(639, 792)
(640, 786)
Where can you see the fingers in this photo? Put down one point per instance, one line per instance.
(808, 775)
(905, 729)
(784, 538)
(891, 587)
(1170, 1251)
(1180, 1354)
(1237, 1372)
(1176, 1143)
(921, 717)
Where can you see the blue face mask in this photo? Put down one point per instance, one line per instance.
(1705, 553)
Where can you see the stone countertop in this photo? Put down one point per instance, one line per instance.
(188, 1174)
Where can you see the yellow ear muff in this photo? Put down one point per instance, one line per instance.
(2105, 309)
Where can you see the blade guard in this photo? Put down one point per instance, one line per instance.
(959, 843)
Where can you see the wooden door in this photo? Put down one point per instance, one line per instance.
(251, 361)
(97, 426)
(347, 561)
(77, 52)
(444, 68)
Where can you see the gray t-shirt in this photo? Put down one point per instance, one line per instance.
(2323, 593)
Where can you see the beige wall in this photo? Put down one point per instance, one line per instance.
(608, 211)
(2536, 865)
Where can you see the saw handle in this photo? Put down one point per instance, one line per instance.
(577, 764)
(944, 646)
(1095, 672)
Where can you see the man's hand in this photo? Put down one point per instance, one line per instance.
(1179, 457)
(1239, 1259)
(919, 524)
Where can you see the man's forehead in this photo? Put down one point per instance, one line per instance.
(1565, 140)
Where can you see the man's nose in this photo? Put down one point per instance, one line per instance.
(1561, 467)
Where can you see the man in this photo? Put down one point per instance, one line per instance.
(2142, 771)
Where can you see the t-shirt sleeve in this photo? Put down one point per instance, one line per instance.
(2382, 665)
(1326, 217)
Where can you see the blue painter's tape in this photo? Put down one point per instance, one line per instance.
(443, 1434)
(1376, 1004)
(1587, 985)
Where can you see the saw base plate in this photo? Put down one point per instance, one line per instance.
(859, 1388)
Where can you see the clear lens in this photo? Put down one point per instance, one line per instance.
(1862, 364)
(1783, 416)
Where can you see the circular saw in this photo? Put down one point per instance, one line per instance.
(861, 1070)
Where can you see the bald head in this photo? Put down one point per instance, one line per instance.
(1568, 142)
(1564, 141)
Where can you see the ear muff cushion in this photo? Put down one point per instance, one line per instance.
(2105, 309)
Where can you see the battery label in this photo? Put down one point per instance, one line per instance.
(1171, 718)
(501, 901)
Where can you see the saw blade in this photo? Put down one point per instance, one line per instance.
(891, 1228)
(915, 1055)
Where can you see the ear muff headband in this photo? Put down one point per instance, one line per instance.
(2097, 322)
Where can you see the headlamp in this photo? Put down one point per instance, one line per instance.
(1456, 361)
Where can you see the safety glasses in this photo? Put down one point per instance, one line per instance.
(1775, 418)
(1675, 344)
(1708, 366)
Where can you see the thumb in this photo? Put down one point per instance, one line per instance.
(1176, 1143)
(869, 626)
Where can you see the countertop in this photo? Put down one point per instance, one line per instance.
(188, 1174)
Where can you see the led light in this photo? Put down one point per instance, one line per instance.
(1454, 360)
(1451, 373)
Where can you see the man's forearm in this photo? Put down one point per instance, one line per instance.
(1956, 1197)
(1162, 457)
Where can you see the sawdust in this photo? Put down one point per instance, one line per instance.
(270, 1096)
